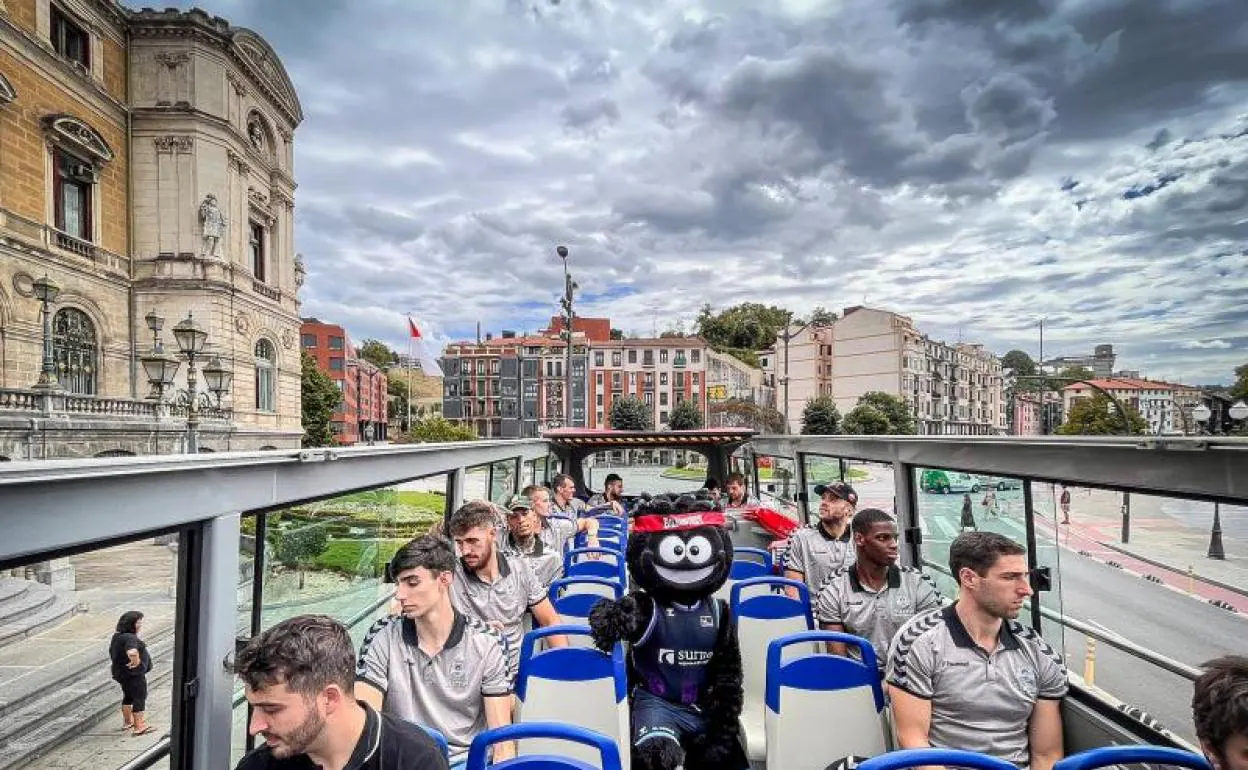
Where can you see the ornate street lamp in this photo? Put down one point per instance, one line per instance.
(46, 291)
(218, 378)
(161, 367)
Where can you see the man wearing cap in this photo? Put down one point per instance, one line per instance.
(540, 539)
(873, 597)
(818, 550)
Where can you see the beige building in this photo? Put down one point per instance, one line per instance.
(951, 389)
(662, 372)
(147, 167)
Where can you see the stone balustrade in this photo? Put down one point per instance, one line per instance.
(35, 402)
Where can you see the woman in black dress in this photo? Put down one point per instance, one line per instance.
(130, 664)
(968, 515)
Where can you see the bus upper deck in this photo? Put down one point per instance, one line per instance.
(1127, 590)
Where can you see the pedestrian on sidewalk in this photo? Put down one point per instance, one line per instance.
(130, 664)
(1064, 501)
(968, 514)
(990, 502)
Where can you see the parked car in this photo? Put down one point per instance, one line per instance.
(999, 482)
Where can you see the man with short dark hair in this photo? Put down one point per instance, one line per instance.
(873, 597)
(299, 678)
(431, 664)
(565, 503)
(612, 495)
(496, 587)
(969, 676)
(736, 494)
(1220, 711)
(814, 552)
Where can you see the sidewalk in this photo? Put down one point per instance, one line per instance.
(1162, 548)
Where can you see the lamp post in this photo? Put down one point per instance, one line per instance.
(1202, 414)
(46, 291)
(161, 368)
(786, 336)
(569, 294)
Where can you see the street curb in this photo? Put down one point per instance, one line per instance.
(1172, 568)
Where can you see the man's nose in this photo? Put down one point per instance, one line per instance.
(257, 723)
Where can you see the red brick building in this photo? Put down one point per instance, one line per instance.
(362, 411)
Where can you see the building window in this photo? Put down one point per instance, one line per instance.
(70, 40)
(599, 399)
(255, 243)
(335, 364)
(75, 351)
(663, 398)
(615, 381)
(647, 358)
(494, 366)
(663, 417)
(617, 359)
(598, 379)
(648, 398)
(309, 340)
(663, 356)
(266, 376)
(693, 378)
(632, 356)
(74, 180)
(695, 356)
(335, 343)
(662, 378)
(600, 358)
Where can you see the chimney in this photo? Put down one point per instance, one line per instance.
(489, 336)
(508, 334)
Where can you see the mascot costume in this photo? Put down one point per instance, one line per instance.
(684, 661)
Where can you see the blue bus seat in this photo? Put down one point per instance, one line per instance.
(762, 616)
(579, 686)
(803, 691)
(574, 597)
(596, 562)
(1130, 755)
(747, 563)
(608, 752)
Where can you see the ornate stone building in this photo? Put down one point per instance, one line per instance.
(146, 167)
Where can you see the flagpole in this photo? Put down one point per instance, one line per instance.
(410, 353)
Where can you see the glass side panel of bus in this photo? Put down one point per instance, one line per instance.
(777, 484)
(503, 477)
(657, 471)
(528, 473)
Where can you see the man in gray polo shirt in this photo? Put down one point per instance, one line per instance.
(538, 540)
(565, 504)
(431, 664)
(816, 551)
(971, 677)
(493, 586)
(873, 597)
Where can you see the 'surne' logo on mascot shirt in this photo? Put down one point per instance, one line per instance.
(685, 657)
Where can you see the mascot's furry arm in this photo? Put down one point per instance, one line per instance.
(623, 620)
(723, 702)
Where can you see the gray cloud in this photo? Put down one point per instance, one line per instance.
(965, 162)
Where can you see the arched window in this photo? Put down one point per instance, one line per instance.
(75, 351)
(266, 377)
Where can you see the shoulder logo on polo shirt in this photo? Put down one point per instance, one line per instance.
(1026, 678)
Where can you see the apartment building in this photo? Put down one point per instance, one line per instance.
(952, 389)
(1154, 400)
(662, 372)
(361, 414)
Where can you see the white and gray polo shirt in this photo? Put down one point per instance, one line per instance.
(446, 691)
(546, 557)
(980, 701)
(875, 615)
(501, 604)
(816, 554)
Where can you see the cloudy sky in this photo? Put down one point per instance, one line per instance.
(975, 164)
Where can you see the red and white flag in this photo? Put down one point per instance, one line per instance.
(420, 351)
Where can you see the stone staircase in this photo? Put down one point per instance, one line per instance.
(28, 607)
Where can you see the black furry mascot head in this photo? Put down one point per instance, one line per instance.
(679, 550)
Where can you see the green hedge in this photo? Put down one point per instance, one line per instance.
(363, 558)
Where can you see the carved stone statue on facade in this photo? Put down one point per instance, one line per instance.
(300, 271)
(256, 135)
(213, 223)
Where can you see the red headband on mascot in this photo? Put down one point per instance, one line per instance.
(677, 522)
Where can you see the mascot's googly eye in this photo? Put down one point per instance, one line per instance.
(672, 549)
(699, 550)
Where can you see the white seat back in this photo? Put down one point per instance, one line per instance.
(807, 693)
(760, 618)
(579, 686)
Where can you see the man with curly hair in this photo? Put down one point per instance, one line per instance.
(1220, 710)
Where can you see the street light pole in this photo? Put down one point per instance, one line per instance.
(569, 291)
(46, 291)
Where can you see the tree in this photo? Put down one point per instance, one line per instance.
(742, 330)
(743, 413)
(1240, 388)
(865, 420)
(821, 417)
(1076, 373)
(1097, 416)
(436, 429)
(319, 396)
(396, 408)
(378, 354)
(298, 548)
(821, 316)
(685, 416)
(617, 334)
(895, 410)
(631, 413)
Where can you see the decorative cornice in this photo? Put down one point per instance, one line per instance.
(239, 87)
(172, 60)
(7, 92)
(171, 143)
(238, 161)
